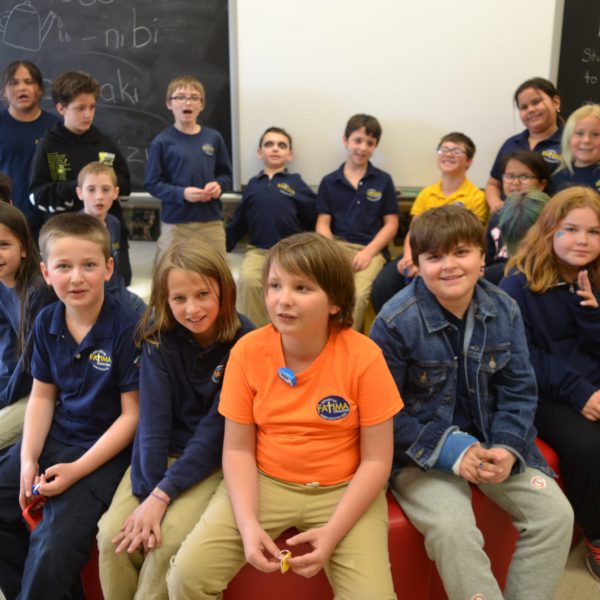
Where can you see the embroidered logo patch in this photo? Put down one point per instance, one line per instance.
(538, 482)
(218, 374)
(374, 195)
(551, 156)
(100, 360)
(208, 149)
(284, 188)
(333, 408)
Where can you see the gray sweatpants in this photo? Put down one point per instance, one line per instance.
(439, 505)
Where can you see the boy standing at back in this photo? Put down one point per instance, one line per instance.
(455, 154)
(67, 147)
(456, 347)
(275, 205)
(188, 169)
(80, 419)
(97, 188)
(357, 203)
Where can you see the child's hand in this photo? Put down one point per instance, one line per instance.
(406, 267)
(585, 290)
(591, 409)
(494, 204)
(29, 477)
(195, 194)
(142, 527)
(503, 462)
(261, 551)
(361, 260)
(477, 465)
(213, 189)
(311, 563)
(58, 478)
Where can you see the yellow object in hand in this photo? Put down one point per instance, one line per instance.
(283, 560)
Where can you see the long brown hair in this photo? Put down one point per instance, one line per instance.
(28, 275)
(197, 257)
(535, 257)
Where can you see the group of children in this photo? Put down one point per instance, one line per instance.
(181, 437)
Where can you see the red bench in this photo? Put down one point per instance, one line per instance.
(415, 576)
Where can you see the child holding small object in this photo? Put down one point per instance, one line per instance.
(187, 333)
(80, 419)
(556, 283)
(304, 381)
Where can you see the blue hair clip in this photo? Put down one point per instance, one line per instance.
(287, 375)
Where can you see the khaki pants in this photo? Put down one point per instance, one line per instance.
(363, 282)
(250, 293)
(125, 576)
(11, 423)
(211, 232)
(213, 553)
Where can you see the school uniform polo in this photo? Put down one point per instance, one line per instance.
(586, 176)
(548, 148)
(15, 380)
(177, 160)
(272, 209)
(91, 376)
(180, 384)
(357, 214)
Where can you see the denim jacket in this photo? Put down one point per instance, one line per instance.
(412, 330)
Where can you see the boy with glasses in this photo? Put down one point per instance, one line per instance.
(188, 169)
(454, 157)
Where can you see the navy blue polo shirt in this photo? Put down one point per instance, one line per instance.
(90, 376)
(357, 214)
(180, 384)
(586, 176)
(548, 148)
(272, 209)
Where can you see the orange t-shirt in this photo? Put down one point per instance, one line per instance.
(310, 432)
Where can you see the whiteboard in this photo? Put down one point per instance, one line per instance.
(422, 67)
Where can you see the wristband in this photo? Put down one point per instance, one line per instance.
(167, 502)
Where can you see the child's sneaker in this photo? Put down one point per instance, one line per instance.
(592, 557)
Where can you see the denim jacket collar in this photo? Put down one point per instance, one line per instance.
(433, 315)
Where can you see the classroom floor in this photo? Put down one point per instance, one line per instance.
(576, 582)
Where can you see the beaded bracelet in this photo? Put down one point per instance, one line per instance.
(167, 502)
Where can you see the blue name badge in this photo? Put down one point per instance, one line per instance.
(287, 375)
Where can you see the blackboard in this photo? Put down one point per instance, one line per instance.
(579, 64)
(133, 48)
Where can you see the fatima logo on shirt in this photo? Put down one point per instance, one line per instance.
(208, 149)
(100, 360)
(551, 156)
(374, 195)
(286, 189)
(217, 375)
(333, 408)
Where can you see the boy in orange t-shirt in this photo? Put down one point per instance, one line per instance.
(308, 443)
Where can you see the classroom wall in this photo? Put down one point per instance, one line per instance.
(424, 68)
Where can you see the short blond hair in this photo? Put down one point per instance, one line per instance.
(185, 81)
(77, 225)
(96, 168)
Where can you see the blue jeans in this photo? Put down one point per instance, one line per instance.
(47, 563)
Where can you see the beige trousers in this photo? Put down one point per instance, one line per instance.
(213, 553)
(126, 576)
